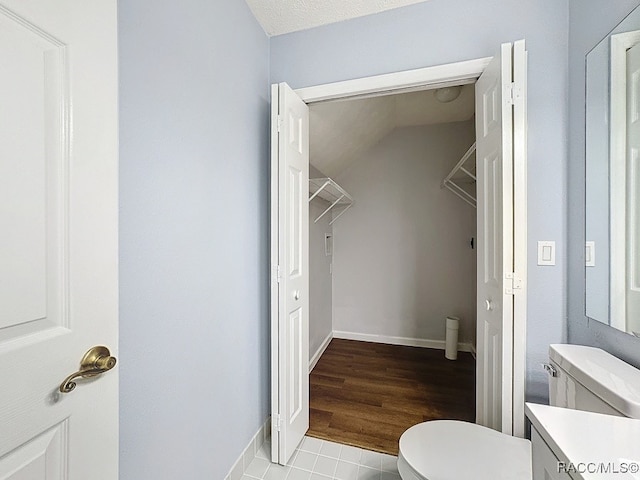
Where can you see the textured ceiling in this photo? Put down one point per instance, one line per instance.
(341, 131)
(284, 16)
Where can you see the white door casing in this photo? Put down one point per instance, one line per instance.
(494, 154)
(58, 250)
(632, 223)
(514, 342)
(290, 265)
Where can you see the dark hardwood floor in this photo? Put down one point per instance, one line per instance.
(367, 394)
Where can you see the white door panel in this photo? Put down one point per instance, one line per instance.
(494, 132)
(42, 457)
(32, 179)
(290, 252)
(58, 250)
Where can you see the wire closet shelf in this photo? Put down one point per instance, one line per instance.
(462, 178)
(327, 189)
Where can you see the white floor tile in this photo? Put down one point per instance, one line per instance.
(317, 476)
(305, 460)
(276, 472)
(371, 459)
(297, 474)
(346, 471)
(310, 444)
(389, 463)
(350, 454)
(330, 449)
(365, 473)
(247, 477)
(317, 459)
(257, 468)
(264, 451)
(325, 466)
(389, 476)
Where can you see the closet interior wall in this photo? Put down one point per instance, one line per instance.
(402, 256)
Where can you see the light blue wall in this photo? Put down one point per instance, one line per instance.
(445, 31)
(193, 236)
(590, 21)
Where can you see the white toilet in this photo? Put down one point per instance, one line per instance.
(582, 378)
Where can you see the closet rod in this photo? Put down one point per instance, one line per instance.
(460, 192)
(338, 216)
(327, 210)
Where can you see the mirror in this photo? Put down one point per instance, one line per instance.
(613, 178)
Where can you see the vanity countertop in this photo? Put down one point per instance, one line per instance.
(586, 439)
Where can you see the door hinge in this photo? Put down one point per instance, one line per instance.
(277, 273)
(277, 423)
(280, 122)
(510, 93)
(513, 93)
(513, 283)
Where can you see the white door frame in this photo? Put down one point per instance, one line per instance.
(451, 74)
(459, 73)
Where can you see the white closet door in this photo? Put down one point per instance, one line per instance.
(633, 192)
(290, 262)
(59, 237)
(494, 132)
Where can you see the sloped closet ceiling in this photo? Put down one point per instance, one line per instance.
(284, 16)
(341, 131)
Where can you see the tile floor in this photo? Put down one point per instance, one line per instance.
(318, 459)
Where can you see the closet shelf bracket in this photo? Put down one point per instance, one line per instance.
(329, 190)
(462, 178)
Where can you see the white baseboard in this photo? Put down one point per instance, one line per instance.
(406, 341)
(316, 356)
(249, 453)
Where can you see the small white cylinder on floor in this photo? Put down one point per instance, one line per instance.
(451, 345)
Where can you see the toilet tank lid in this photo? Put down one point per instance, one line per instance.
(608, 377)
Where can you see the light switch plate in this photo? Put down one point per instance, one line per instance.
(546, 253)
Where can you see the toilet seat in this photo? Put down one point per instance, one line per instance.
(456, 450)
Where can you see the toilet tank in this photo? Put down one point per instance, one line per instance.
(588, 378)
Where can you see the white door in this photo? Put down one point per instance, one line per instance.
(632, 294)
(290, 266)
(58, 247)
(495, 194)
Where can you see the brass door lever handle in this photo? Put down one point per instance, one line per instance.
(96, 361)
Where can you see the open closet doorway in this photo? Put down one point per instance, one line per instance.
(500, 306)
(391, 257)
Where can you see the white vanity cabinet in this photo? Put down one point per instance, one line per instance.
(545, 463)
(569, 444)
